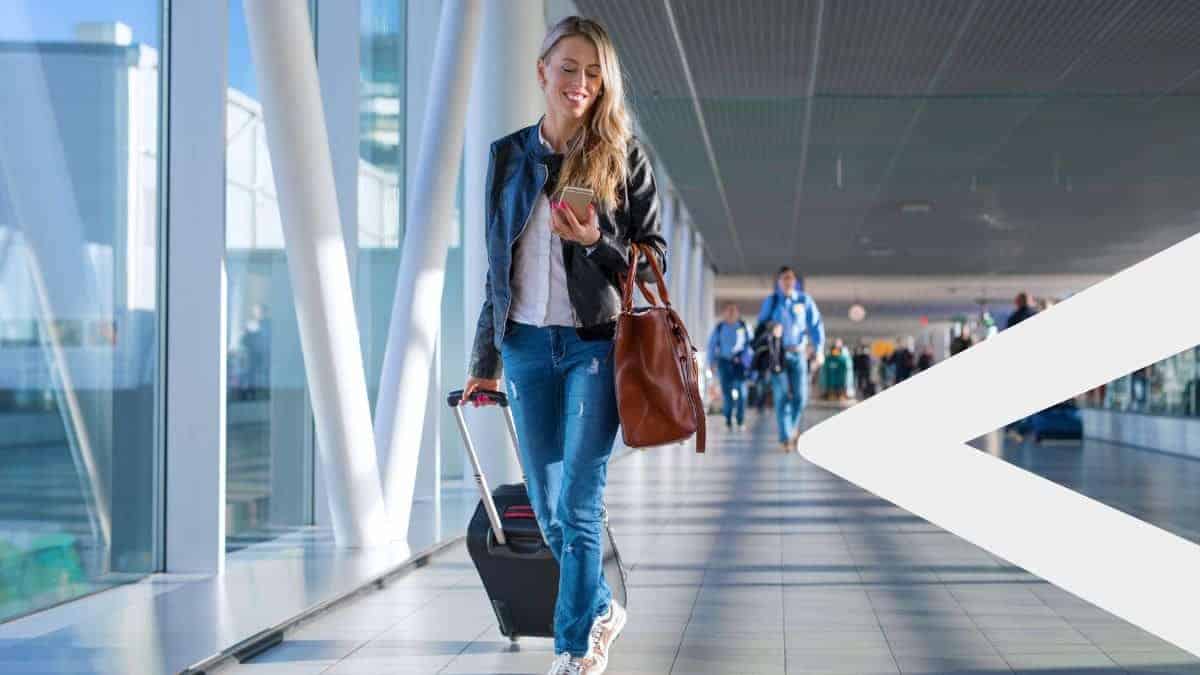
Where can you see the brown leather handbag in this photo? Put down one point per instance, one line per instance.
(658, 395)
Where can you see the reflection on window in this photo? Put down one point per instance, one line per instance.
(269, 459)
(1169, 387)
(380, 175)
(78, 297)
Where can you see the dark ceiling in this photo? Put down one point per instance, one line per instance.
(922, 136)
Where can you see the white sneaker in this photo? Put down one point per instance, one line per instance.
(564, 664)
(605, 630)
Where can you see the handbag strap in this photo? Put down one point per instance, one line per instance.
(631, 278)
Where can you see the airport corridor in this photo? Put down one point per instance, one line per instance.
(747, 561)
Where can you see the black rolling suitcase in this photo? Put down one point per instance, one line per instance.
(515, 564)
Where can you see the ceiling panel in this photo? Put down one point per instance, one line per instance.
(889, 47)
(1016, 47)
(942, 136)
(747, 49)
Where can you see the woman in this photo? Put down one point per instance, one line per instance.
(550, 307)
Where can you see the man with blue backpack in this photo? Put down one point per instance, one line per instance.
(729, 348)
(795, 312)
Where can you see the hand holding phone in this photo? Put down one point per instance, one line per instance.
(579, 199)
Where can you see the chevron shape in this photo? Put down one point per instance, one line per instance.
(1137, 571)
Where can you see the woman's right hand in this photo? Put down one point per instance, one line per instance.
(478, 384)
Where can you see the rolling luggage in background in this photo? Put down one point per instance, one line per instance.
(516, 566)
(1060, 421)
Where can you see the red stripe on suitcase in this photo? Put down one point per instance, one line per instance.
(519, 512)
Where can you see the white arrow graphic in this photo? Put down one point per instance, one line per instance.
(1121, 564)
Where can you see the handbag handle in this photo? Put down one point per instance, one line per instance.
(631, 278)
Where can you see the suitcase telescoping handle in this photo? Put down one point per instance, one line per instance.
(485, 493)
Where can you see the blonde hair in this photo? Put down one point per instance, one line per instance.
(596, 156)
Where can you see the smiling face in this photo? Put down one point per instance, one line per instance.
(570, 77)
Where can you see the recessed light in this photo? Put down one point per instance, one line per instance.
(995, 223)
(916, 206)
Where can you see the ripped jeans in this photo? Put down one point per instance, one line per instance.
(564, 403)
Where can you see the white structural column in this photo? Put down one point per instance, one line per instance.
(338, 36)
(696, 285)
(505, 97)
(683, 269)
(282, 47)
(677, 254)
(417, 306)
(195, 281)
(668, 232)
(708, 308)
(696, 304)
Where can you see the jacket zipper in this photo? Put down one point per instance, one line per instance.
(528, 217)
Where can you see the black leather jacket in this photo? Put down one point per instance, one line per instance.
(517, 172)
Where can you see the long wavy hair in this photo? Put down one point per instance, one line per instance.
(596, 156)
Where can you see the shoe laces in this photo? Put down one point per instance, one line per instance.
(564, 664)
(596, 637)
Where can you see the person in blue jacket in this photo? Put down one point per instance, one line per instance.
(796, 312)
(729, 350)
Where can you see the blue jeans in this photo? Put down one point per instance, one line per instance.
(789, 388)
(564, 404)
(733, 390)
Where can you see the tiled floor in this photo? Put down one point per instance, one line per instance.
(747, 561)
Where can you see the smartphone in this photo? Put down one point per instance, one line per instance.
(578, 198)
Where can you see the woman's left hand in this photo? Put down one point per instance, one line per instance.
(564, 223)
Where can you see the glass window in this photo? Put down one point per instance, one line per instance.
(381, 175)
(79, 313)
(1169, 387)
(388, 33)
(269, 465)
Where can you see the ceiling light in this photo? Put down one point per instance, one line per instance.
(994, 222)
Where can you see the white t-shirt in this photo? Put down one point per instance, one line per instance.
(539, 284)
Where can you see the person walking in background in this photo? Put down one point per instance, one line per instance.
(838, 373)
(962, 341)
(767, 359)
(903, 359)
(925, 359)
(887, 371)
(729, 349)
(801, 327)
(863, 385)
(1023, 310)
